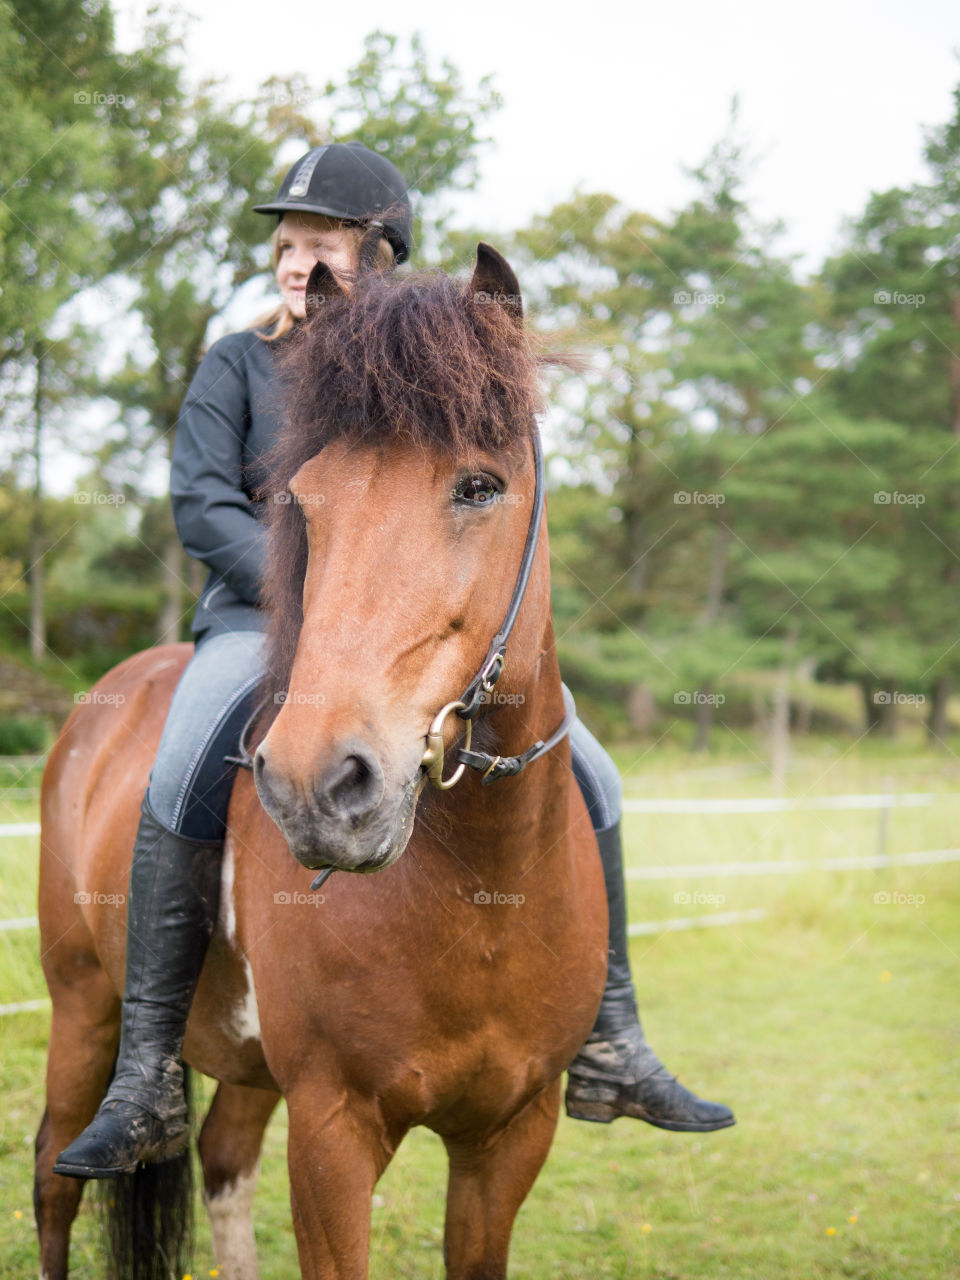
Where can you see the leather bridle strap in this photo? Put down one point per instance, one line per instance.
(492, 668)
(495, 767)
(481, 686)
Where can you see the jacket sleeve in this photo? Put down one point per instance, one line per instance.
(215, 517)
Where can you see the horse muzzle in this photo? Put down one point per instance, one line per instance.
(344, 815)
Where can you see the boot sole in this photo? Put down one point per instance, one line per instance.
(87, 1171)
(169, 1152)
(605, 1113)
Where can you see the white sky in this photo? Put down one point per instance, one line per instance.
(620, 96)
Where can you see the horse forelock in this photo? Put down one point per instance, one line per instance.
(414, 359)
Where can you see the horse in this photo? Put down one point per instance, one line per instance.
(451, 978)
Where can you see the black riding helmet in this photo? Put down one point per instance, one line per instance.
(348, 181)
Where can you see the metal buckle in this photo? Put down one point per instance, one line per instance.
(487, 677)
(493, 764)
(433, 756)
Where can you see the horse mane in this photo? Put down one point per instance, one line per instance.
(418, 358)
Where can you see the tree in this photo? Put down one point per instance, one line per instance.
(70, 95)
(894, 332)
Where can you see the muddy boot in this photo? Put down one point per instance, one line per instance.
(616, 1073)
(174, 898)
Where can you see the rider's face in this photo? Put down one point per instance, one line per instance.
(305, 237)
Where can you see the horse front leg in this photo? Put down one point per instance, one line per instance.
(489, 1180)
(230, 1143)
(336, 1151)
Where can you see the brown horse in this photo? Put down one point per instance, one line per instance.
(453, 987)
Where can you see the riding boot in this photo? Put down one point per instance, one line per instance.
(616, 1073)
(174, 898)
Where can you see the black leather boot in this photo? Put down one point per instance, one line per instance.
(616, 1073)
(174, 898)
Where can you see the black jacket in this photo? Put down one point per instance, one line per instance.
(229, 420)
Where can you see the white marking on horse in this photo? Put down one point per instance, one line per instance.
(231, 1225)
(228, 914)
(244, 1017)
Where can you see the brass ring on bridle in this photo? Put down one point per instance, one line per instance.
(433, 756)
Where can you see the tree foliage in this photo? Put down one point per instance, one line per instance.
(754, 475)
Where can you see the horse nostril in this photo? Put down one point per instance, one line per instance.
(262, 781)
(353, 787)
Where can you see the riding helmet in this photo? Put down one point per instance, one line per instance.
(348, 181)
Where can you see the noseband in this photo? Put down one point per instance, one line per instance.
(482, 684)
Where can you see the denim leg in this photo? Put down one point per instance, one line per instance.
(599, 780)
(190, 783)
(597, 776)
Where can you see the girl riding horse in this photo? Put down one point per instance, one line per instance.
(325, 209)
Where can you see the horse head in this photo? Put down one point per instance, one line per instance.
(402, 494)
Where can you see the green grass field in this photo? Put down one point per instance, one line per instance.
(830, 1025)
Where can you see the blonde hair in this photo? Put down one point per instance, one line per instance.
(280, 319)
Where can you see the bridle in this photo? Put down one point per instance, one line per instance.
(480, 687)
(482, 684)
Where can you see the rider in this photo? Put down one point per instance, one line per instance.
(229, 420)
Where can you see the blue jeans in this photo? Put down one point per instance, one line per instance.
(190, 783)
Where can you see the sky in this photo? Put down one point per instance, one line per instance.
(621, 97)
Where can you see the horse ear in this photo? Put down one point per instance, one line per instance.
(494, 281)
(369, 248)
(321, 286)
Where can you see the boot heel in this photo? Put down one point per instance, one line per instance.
(591, 1101)
(173, 1143)
(599, 1112)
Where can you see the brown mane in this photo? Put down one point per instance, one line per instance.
(418, 358)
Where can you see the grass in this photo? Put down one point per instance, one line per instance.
(829, 1025)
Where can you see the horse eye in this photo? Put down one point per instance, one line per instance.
(477, 490)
